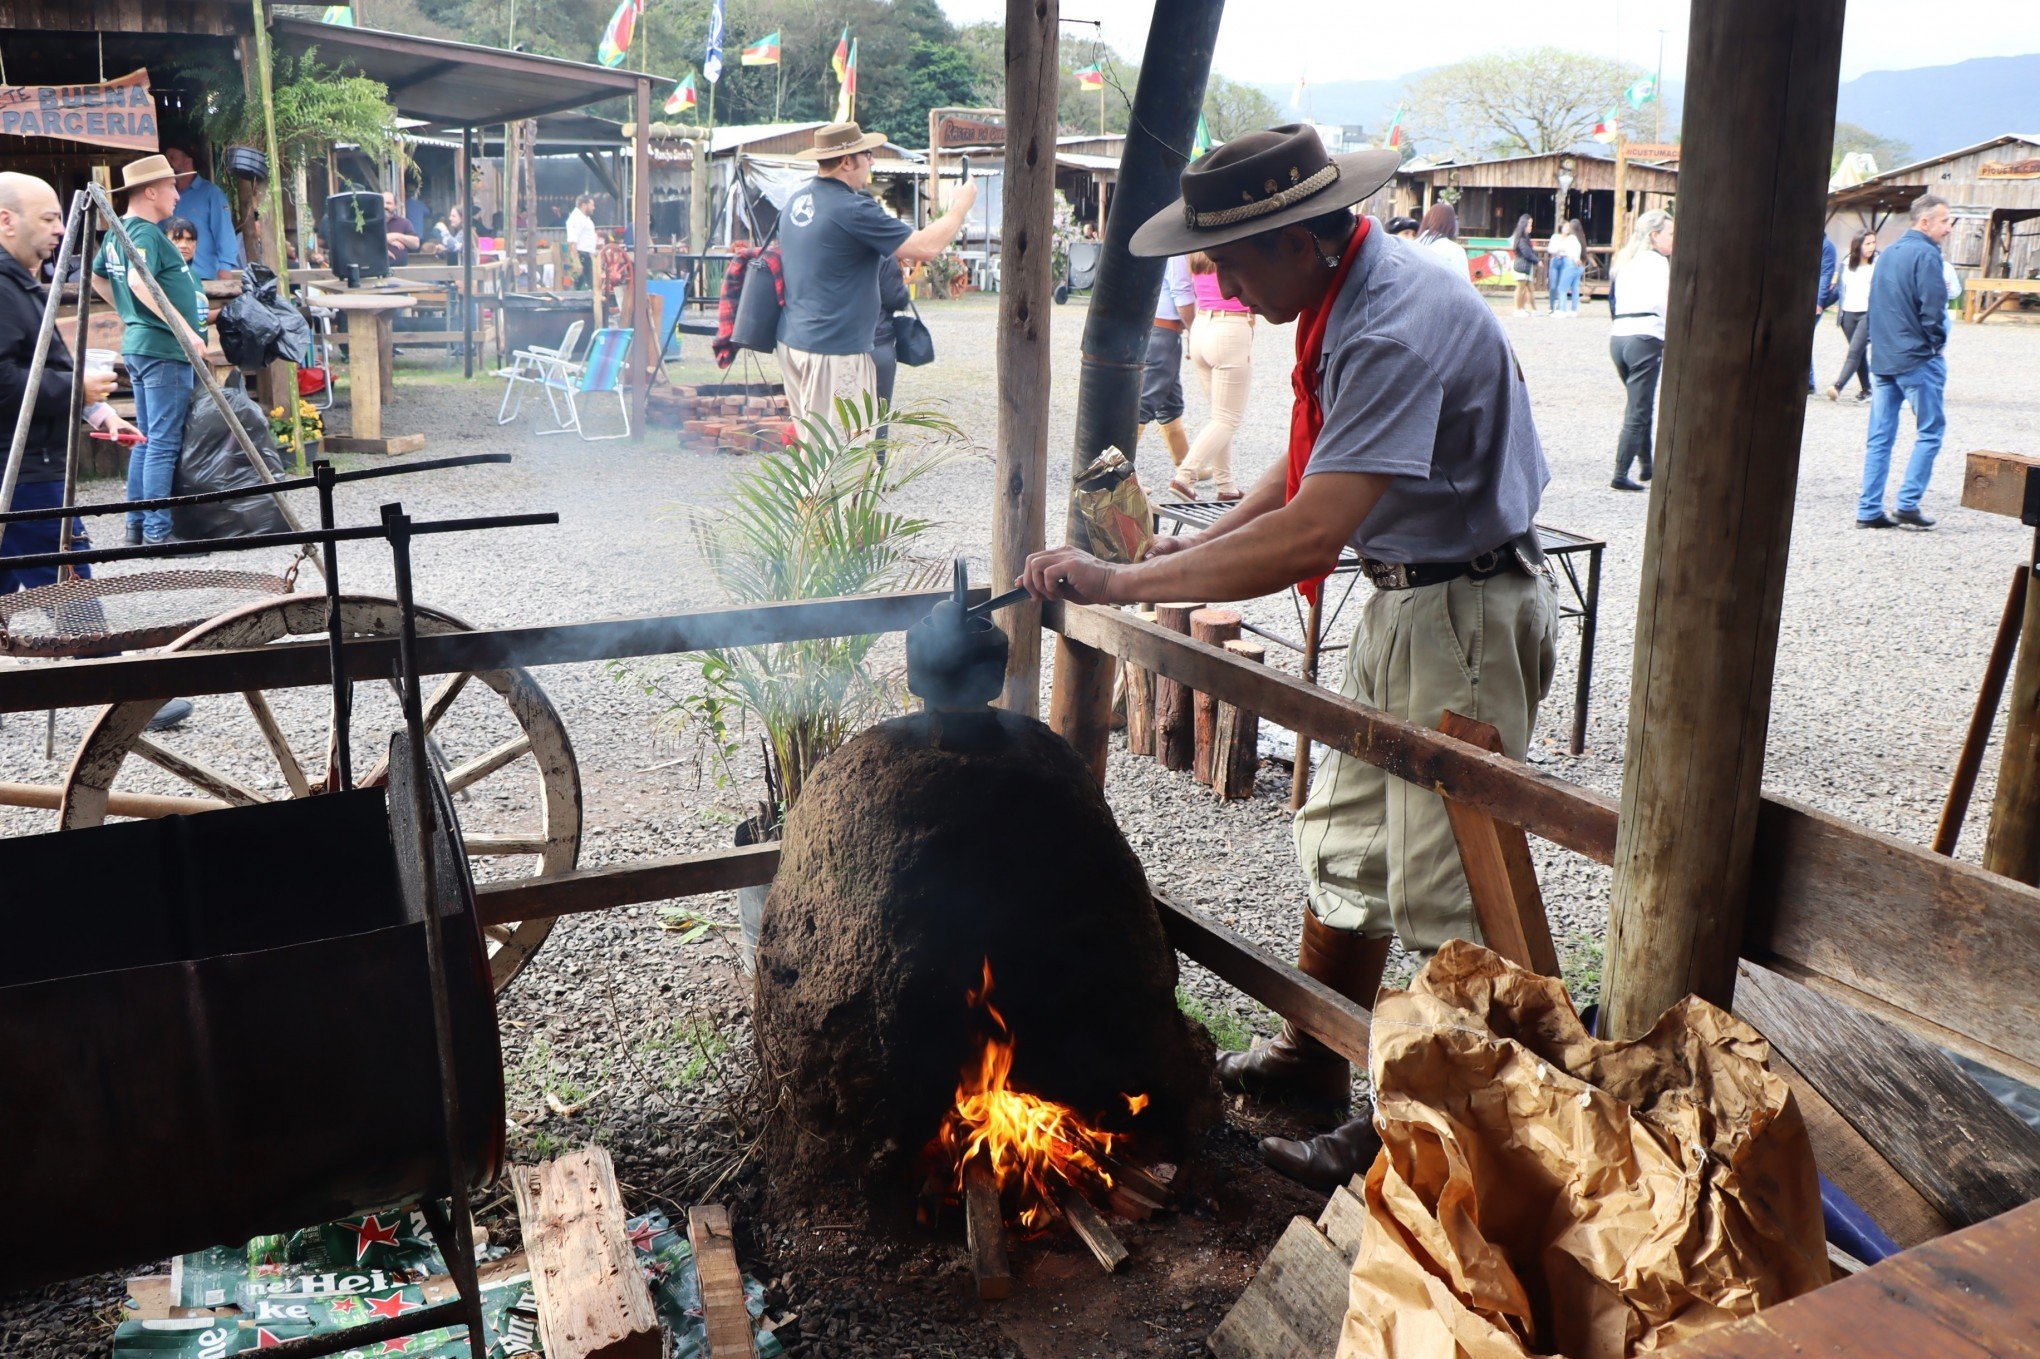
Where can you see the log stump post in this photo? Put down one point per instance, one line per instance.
(1213, 627)
(1175, 729)
(1140, 703)
(1236, 743)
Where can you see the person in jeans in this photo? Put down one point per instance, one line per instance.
(1856, 276)
(1640, 280)
(1222, 348)
(1523, 254)
(150, 343)
(893, 298)
(1568, 251)
(1908, 325)
(1161, 375)
(1824, 297)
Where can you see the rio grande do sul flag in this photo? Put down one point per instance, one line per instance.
(683, 99)
(1605, 130)
(615, 45)
(764, 52)
(846, 97)
(1090, 77)
(839, 61)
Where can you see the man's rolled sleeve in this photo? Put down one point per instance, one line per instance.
(1383, 411)
(873, 225)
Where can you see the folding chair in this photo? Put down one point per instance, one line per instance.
(602, 371)
(533, 366)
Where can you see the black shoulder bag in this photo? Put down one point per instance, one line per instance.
(912, 343)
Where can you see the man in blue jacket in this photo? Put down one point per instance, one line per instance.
(1908, 330)
(1824, 297)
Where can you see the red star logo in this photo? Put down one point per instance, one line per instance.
(344, 1306)
(642, 1234)
(265, 1339)
(371, 1232)
(392, 1306)
(401, 1345)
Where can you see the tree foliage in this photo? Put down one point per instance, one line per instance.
(1890, 152)
(1517, 103)
(1231, 109)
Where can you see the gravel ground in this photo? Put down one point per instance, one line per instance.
(640, 1035)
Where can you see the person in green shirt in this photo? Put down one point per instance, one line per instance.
(161, 374)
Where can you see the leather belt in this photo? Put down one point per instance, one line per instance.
(1411, 575)
(1167, 323)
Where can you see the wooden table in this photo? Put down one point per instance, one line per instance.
(1974, 308)
(369, 333)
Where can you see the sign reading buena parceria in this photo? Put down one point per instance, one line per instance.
(120, 113)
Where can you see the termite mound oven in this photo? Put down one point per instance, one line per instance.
(928, 850)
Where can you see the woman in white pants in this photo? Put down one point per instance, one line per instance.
(1222, 347)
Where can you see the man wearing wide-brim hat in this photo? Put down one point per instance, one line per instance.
(162, 376)
(1410, 442)
(832, 235)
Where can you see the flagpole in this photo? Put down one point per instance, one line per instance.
(779, 92)
(1657, 91)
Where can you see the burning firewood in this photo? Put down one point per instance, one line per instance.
(1090, 1228)
(985, 1230)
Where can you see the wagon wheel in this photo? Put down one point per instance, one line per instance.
(506, 728)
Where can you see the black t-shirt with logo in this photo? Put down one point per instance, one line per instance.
(831, 238)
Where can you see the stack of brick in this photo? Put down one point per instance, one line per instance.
(731, 416)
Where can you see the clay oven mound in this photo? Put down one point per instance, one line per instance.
(908, 863)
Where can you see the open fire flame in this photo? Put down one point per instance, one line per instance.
(1028, 1142)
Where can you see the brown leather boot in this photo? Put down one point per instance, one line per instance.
(1177, 439)
(1293, 1066)
(1330, 1159)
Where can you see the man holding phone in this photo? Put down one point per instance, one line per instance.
(31, 223)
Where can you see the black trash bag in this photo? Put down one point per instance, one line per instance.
(259, 328)
(212, 460)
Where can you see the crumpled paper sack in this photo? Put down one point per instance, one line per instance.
(1115, 523)
(1540, 1192)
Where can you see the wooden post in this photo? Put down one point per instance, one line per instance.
(1026, 249)
(1140, 703)
(1175, 721)
(2013, 848)
(1236, 752)
(1761, 79)
(1299, 777)
(1981, 721)
(644, 349)
(1214, 627)
(1507, 903)
(1080, 705)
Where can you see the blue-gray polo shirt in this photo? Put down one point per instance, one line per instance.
(831, 238)
(1418, 382)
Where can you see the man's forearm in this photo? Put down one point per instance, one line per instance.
(1255, 559)
(1265, 495)
(934, 238)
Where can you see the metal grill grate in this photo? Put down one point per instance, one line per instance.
(123, 613)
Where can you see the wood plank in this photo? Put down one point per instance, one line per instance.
(1175, 717)
(1140, 705)
(1965, 1296)
(1213, 627)
(1296, 1305)
(1966, 1153)
(1499, 871)
(1857, 1168)
(593, 1301)
(724, 1311)
(601, 889)
(1323, 1013)
(1564, 813)
(1091, 1229)
(1344, 1219)
(1940, 941)
(1236, 754)
(395, 444)
(985, 1232)
(1996, 482)
(2012, 846)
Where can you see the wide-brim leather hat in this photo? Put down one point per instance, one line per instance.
(140, 174)
(840, 139)
(1261, 182)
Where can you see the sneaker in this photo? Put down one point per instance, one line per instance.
(1862, 396)
(1914, 519)
(171, 714)
(1625, 484)
(1881, 521)
(131, 538)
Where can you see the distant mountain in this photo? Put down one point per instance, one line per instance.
(1930, 108)
(1944, 108)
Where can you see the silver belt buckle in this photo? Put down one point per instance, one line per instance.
(1388, 575)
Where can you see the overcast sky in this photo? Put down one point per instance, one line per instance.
(1271, 40)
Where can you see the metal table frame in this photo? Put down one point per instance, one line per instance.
(1560, 547)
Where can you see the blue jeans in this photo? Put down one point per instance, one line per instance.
(162, 400)
(33, 537)
(1921, 386)
(1564, 284)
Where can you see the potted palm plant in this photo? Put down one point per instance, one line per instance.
(815, 520)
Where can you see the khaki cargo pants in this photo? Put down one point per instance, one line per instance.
(815, 382)
(1377, 852)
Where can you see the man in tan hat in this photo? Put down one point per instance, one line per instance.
(1411, 442)
(149, 345)
(831, 238)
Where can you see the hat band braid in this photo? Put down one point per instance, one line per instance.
(1245, 212)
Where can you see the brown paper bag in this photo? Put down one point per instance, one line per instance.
(1113, 515)
(1540, 1192)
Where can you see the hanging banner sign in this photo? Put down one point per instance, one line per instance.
(953, 130)
(120, 113)
(2015, 169)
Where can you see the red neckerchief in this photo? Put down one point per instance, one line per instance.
(1307, 417)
